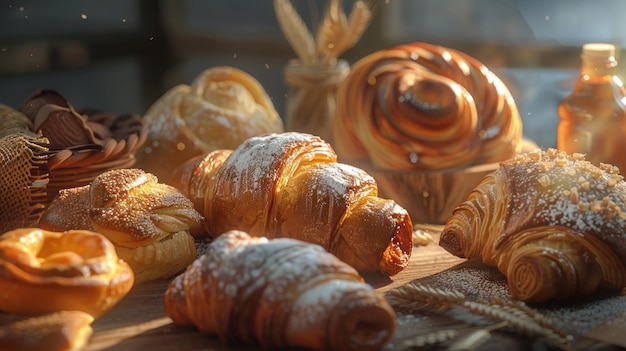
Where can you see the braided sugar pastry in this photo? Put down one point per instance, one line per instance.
(279, 293)
(421, 107)
(554, 224)
(148, 222)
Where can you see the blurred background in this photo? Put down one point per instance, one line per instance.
(122, 55)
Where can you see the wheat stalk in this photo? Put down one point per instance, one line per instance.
(420, 297)
(430, 339)
(296, 31)
(332, 27)
(517, 316)
(358, 20)
(335, 34)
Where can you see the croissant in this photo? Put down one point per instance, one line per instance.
(221, 108)
(290, 185)
(278, 293)
(424, 107)
(553, 223)
(148, 222)
(45, 272)
(57, 331)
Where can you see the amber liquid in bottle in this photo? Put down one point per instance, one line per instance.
(593, 116)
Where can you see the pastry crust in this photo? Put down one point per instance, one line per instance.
(553, 223)
(57, 331)
(221, 108)
(279, 293)
(45, 272)
(290, 185)
(424, 107)
(147, 221)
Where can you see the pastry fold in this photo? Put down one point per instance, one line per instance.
(290, 185)
(553, 223)
(149, 223)
(279, 293)
(221, 108)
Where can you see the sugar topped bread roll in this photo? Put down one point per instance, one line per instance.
(148, 222)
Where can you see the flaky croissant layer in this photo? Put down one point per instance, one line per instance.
(291, 185)
(553, 223)
(279, 293)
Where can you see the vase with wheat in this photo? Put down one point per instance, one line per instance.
(314, 75)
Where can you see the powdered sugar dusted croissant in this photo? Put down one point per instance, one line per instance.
(149, 222)
(290, 185)
(221, 108)
(554, 224)
(420, 106)
(279, 293)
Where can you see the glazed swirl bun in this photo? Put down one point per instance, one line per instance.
(44, 272)
(419, 106)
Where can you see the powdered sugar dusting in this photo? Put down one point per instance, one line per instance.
(568, 191)
(241, 276)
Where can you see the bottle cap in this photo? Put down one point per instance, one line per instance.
(599, 50)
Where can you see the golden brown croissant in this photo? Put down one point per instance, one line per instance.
(45, 272)
(279, 293)
(82, 143)
(420, 107)
(290, 185)
(221, 108)
(148, 222)
(57, 331)
(554, 224)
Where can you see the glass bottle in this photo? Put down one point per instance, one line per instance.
(593, 117)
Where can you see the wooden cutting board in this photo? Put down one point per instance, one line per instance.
(139, 323)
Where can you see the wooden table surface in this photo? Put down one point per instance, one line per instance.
(139, 323)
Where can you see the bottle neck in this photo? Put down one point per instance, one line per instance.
(598, 66)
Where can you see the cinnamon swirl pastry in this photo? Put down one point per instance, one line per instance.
(424, 107)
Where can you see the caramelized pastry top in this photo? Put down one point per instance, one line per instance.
(420, 106)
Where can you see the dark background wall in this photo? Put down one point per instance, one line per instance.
(122, 55)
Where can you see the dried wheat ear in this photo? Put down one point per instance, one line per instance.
(516, 316)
